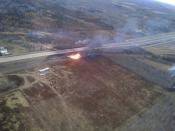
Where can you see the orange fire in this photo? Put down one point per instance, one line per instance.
(75, 56)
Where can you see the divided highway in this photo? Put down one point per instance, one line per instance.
(141, 42)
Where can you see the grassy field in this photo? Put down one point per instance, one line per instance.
(158, 65)
(105, 93)
(147, 70)
(10, 82)
(87, 95)
(158, 117)
(161, 49)
(14, 48)
(11, 114)
(107, 97)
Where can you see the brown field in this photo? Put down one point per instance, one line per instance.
(158, 65)
(86, 95)
(116, 92)
(106, 93)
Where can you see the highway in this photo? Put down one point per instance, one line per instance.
(40, 54)
(140, 42)
(145, 41)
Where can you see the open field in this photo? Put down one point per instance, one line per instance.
(161, 50)
(90, 94)
(38, 26)
(160, 117)
(123, 86)
(14, 47)
(164, 48)
(155, 64)
(10, 82)
(147, 70)
(44, 25)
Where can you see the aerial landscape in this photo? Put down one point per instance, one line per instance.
(87, 65)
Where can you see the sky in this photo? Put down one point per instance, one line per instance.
(172, 2)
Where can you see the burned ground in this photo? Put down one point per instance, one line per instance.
(86, 95)
(105, 93)
(38, 92)
(9, 82)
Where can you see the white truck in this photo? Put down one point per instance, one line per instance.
(3, 51)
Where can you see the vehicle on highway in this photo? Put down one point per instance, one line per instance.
(3, 51)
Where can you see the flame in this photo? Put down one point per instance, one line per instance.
(75, 56)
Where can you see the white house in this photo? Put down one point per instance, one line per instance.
(3, 51)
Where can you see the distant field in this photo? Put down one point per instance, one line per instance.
(158, 117)
(158, 50)
(14, 48)
(158, 65)
(151, 70)
(161, 49)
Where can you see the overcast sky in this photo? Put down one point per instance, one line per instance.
(172, 2)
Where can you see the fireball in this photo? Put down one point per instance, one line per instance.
(75, 56)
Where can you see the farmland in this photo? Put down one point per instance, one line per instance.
(71, 97)
(111, 91)
(114, 89)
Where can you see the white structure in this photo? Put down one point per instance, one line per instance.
(3, 51)
(44, 71)
(172, 71)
